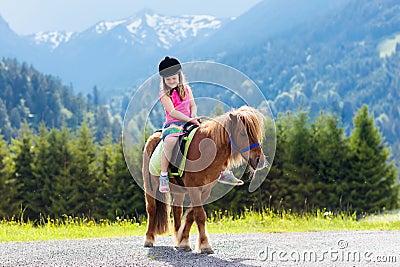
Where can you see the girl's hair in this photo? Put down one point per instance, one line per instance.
(181, 86)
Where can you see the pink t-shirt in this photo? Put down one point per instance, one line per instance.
(181, 105)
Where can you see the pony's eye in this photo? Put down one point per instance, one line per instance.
(243, 133)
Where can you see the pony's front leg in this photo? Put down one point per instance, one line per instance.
(182, 236)
(197, 197)
(177, 211)
(200, 217)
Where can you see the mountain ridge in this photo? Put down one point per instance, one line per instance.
(189, 25)
(108, 53)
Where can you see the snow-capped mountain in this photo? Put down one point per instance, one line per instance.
(51, 39)
(114, 53)
(156, 29)
(144, 28)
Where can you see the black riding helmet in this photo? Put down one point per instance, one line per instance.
(169, 66)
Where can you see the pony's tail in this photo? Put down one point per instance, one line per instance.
(162, 220)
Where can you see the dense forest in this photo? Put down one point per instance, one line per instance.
(27, 95)
(59, 172)
(316, 166)
(336, 63)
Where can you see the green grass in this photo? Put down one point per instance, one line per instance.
(68, 228)
(269, 221)
(219, 222)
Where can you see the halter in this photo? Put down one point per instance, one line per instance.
(243, 150)
(240, 150)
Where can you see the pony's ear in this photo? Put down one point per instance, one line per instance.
(232, 118)
(233, 121)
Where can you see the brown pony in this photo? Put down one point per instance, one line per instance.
(235, 137)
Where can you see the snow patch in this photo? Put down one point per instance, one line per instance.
(54, 38)
(388, 46)
(151, 20)
(105, 26)
(134, 26)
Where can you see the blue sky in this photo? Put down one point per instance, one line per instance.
(29, 16)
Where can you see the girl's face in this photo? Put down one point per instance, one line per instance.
(172, 81)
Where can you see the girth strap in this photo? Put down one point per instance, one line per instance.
(178, 153)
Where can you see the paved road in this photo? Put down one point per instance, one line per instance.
(349, 248)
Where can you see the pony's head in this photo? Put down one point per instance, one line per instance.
(246, 132)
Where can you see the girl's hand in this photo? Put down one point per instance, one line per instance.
(196, 121)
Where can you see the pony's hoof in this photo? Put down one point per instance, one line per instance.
(207, 251)
(148, 244)
(184, 248)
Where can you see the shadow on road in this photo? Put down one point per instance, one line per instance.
(172, 256)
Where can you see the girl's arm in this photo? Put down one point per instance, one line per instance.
(169, 107)
(193, 107)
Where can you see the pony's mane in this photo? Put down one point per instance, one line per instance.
(219, 127)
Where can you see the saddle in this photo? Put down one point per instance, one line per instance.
(178, 159)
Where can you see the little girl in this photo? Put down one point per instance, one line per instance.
(179, 106)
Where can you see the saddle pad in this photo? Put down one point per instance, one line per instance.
(155, 159)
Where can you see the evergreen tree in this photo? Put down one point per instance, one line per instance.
(61, 183)
(103, 123)
(298, 171)
(331, 162)
(84, 172)
(15, 118)
(275, 186)
(41, 171)
(6, 188)
(24, 181)
(127, 196)
(372, 181)
(107, 161)
(116, 130)
(6, 129)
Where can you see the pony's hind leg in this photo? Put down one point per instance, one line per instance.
(151, 221)
(158, 211)
(177, 210)
(150, 190)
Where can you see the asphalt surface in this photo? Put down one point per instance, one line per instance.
(348, 248)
